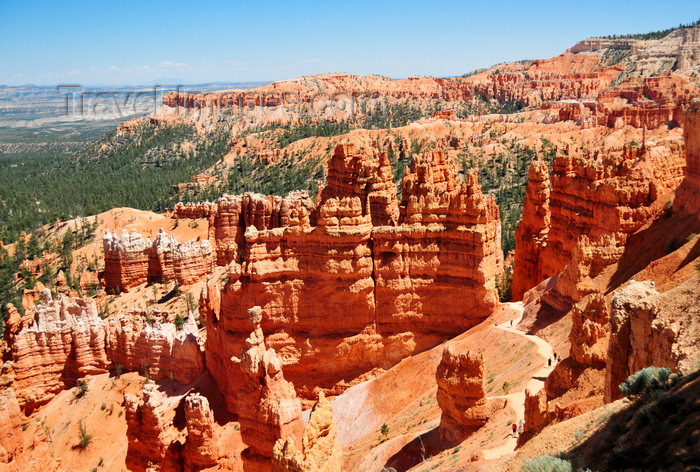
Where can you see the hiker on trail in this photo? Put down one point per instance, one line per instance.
(558, 360)
(521, 427)
(554, 355)
(511, 322)
(549, 362)
(515, 428)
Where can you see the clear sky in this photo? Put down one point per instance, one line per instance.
(147, 42)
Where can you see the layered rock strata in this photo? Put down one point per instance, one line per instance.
(597, 200)
(66, 340)
(131, 260)
(268, 408)
(651, 329)
(334, 286)
(202, 448)
(235, 213)
(461, 395)
(320, 451)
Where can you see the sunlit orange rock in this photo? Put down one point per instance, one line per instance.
(320, 450)
(461, 395)
(202, 448)
(66, 340)
(268, 408)
(152, 443)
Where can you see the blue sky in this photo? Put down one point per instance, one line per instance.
(129, 43)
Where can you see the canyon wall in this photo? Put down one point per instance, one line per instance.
(688, 196)
(66, 340)
(649, 328)
(358, 280)
(597, 199)
(131, 260)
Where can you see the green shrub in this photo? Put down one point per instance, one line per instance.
(506, 387)
(84, 439)
(179, 321)
(646, 381)
(385, 429)
(546, 464)
(82, 388)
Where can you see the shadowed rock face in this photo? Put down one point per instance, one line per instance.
(341, 295)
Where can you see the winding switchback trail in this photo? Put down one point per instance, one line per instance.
(517, 400)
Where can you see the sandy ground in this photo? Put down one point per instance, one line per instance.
(535, 384)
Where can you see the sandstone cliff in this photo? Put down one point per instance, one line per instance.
(394, 284)
(597, 200)
(202, 448)
(531, 233)
(66, 340)
(688, 196)
(679, 51)
(131, 260)
(652, 329)
(320, 450)
(461, 395)
(12, 419)
(268, 408)
(152, 446)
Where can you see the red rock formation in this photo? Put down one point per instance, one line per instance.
(597, 200)
(320, 450)
(590, 331)
(203, 448)
(537, 415)
(395, 285)
(268, 408)
(651, 329)
(13, 324)
(194, 210)
(160, 348)
(67, 340)
(461, 395)
(126, 261)
(575, 384)
(650, 103)
(12, 419)
(131, 261)
(449, 239)
(151, 442)
(688, 195)
(31, 296)
(531, 233)
(354, 172)
(237, 213)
